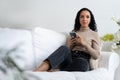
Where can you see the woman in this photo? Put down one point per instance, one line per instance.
(75, 56)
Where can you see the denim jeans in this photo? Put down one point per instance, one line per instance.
(68, 60)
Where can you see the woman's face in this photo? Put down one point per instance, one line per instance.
(85, 18)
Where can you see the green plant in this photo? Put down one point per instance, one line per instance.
(107, 37)
(8, 64)
(116, 20)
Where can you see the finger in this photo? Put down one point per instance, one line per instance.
(73, 38)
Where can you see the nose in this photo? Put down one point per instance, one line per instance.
(84, 18)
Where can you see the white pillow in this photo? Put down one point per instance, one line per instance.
(22, 41)
(45, 42)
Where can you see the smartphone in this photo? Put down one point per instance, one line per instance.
(72, 34)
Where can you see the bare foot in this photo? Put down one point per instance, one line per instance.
(53, 70)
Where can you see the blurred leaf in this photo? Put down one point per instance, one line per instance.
(9, 63)
(3, 69)
(116, 20)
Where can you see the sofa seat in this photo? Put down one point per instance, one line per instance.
(59, 75)
(97, 74)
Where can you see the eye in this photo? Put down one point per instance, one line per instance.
(88, 16)
(81, 16)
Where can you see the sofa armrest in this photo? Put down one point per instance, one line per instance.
(109, 60)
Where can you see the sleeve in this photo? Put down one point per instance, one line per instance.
(94, 50)
(96, 43)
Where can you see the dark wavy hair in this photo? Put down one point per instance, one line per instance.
(92, 24)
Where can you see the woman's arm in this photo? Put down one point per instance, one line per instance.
(93, 50)
(70, 42)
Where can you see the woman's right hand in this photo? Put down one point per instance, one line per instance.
(73, 41)
(70, 42)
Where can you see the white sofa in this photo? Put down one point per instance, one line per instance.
(37, 44)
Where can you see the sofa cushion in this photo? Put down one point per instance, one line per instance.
(97, 74)
(45, 42)
(21, 41)
(60, 75)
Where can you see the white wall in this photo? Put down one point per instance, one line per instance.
(58, 15)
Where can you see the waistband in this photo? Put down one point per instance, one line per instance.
(78, 54)
(77, 51)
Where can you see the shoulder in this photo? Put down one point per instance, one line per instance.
(95, 34)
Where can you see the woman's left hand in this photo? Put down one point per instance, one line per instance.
(79, 40)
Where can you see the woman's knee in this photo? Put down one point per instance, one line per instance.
(65, 51)
(65, 48)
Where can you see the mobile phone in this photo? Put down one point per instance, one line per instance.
(72, 34)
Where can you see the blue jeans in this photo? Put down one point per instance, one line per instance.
(68, 60)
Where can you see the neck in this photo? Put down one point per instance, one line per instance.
(84, 28)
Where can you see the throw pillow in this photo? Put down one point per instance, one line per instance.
(45, 42)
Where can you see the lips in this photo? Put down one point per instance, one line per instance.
(84, 22)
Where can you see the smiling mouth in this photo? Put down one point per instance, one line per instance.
(84, 22)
